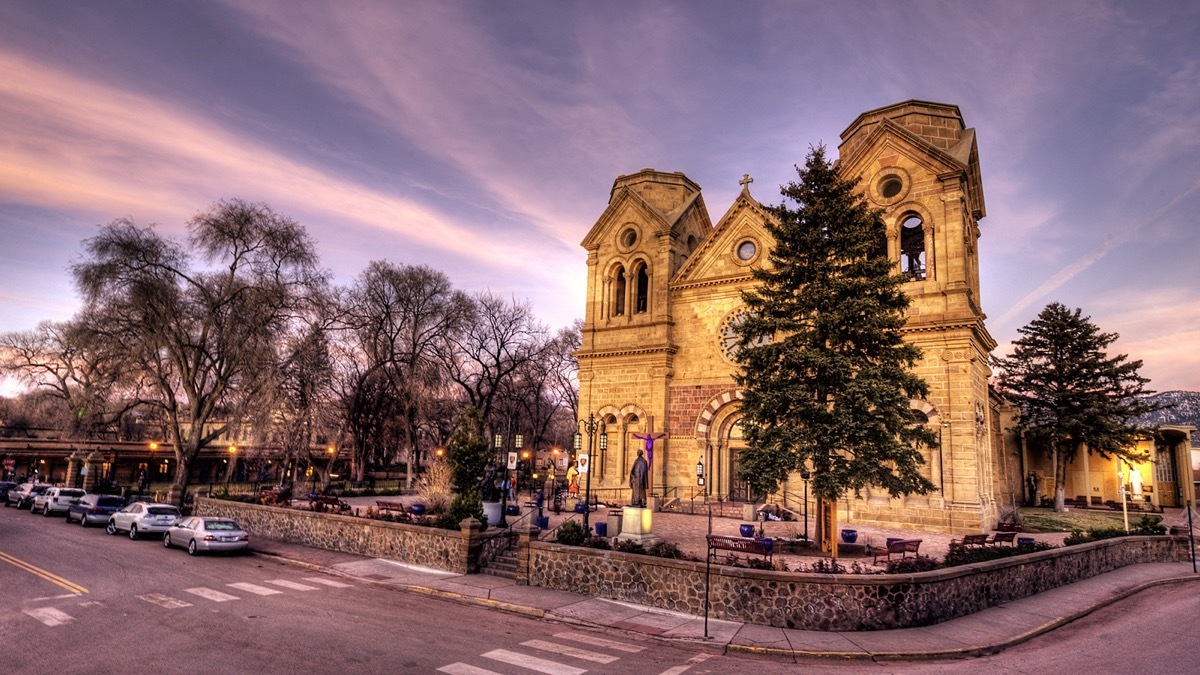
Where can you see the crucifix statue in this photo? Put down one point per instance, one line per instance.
(639, 495)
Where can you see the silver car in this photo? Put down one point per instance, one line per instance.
(22, 495)
(143, 518)
(202, 533)
(55, 500)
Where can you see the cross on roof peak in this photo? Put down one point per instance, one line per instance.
(745, 181)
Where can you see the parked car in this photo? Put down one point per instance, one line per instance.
(204, 533)
(143, 518)
(22, 495)
(55, 500)
(91, 509)
(5, 486)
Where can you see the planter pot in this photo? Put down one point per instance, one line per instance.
(849, 536)
(768, 543)
(580, 507)
(514, 510)
(417, 509)
(1025, 542)
(746, 529)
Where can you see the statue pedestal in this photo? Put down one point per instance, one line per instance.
(636, 524)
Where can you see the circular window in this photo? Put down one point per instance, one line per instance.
(747, 250)
(628, 238)
(889, 186)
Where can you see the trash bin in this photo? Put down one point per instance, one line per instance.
(542, 522)
(514, 510)
(601, 529)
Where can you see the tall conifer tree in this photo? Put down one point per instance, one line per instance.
(826, 374)
(1071, 393)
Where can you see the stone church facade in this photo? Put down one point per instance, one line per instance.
(663, 290)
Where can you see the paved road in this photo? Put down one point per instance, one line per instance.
(77, 600)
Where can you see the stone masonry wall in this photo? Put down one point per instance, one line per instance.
(426, 546)
(833, 602)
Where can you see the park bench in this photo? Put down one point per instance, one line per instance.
(398, 507)
(900, 547)
(970, 540)
(746, 545)
(327, 503)
(1003, 538)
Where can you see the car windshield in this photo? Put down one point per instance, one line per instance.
(220, 525)
(40, 489)
(163, 511)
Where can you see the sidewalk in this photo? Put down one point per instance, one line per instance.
(985, 632)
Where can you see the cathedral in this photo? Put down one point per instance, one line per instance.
(663, 296)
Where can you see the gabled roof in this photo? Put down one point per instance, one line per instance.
(711, 247)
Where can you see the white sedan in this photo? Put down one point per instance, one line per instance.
(201, 533)
(143, 518)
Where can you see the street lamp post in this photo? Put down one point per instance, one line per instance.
(590, 426)
(805, 476)
(503, 490)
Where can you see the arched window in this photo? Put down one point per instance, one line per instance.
(912, 248)
(619, 293)
(643, 290)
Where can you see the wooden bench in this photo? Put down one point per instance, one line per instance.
(328, 503)
(746, 545)
(1009, 538)
(901, 547)
(390, 506)
(970, 540)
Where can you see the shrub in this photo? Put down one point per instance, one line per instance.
(1149, 525)
(571, 533)
(921, 563)
(467, 505)
(630, 546)
(759, 564)
(961, 555)
(597, 542)
(665, 549)
(446, 521)
(435, 487)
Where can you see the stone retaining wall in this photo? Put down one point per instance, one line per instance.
(832, 602)
(453, 551)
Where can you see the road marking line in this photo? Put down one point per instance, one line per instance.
(695, 660)
(255, 589)
(164, 600)
(291, 584)
(568, 650)
(532, 663)
(210, 594)
(327, 582)
(464, 669)
(601, 642)
(44, 574)
(50, 616)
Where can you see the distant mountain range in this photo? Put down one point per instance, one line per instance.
(1185, 410)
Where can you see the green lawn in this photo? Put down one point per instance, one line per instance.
(1047, 520)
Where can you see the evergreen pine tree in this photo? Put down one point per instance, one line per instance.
(1071, 394)
(826, 375)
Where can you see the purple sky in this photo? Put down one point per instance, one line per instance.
(482, 138)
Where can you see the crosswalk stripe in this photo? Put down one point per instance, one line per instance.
(568, 650)
(327, 582)
(255, 589)
(533, 663)
(164, 600)
(601, 642)
(50, 616)
(292, 585)
(210, 594)
(465, 669)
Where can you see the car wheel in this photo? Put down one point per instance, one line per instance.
(111, 528)
(166, 541)
(83, 520)
(46, 511)
(133, 533)
(192, 550)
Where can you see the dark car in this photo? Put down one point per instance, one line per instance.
(5, 486)
(22, 495)
(94, 509)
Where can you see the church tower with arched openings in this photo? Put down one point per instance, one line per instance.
(663, 295)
